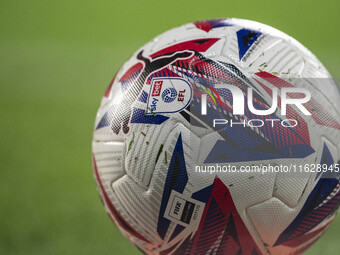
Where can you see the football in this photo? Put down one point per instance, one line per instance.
(220, 137)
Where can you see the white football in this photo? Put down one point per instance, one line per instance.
(220, 137)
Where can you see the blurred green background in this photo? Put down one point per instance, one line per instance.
(56, 59)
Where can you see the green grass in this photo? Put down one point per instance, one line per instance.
(56, 59)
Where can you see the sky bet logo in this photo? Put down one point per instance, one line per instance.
(156, 91)
(239, 103)
(168, 95)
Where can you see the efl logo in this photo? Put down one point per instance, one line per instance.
(168, 95)
(157, 87)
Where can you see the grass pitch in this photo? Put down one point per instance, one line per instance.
(56, 59)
